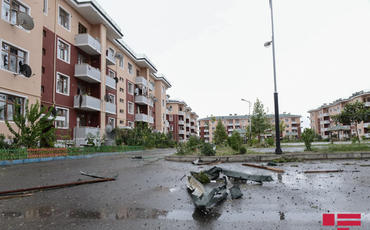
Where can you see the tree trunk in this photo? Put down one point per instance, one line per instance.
(358, 136)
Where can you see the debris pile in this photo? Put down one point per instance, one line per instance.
(209, 187)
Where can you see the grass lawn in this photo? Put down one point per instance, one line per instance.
(332, 148)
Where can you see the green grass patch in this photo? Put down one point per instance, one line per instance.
(102, 149)
(343, 148)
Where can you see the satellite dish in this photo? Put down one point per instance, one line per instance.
(267, 44)
(25, 70)
(25, 21)
(108, 128)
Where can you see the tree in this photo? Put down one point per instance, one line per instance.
(235, 141)
(282, 127)
(220, 134)
(33, 127)
(308, 136)
(259, 120)
(353, 113)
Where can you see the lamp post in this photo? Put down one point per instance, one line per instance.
(276, 101)
(249, 118)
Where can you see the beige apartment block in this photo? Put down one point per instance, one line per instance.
(321, 119)
(240, 123)
(80, 66)
(182, 120)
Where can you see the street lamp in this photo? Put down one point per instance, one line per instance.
(249, 118)
(277, 120)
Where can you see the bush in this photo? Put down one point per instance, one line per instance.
(354, 140)
(235, 141)
(308, 136)
(207, 149)
(270, 141)
(193, 143)
(254, 142)
(181, 149)
(3, 143)
(243, 150)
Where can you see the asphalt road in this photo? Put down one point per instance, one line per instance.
(149, 194)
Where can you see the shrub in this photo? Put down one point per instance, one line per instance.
(308, 136)
(181, 149)
(3, 143)
(235, 141)
(354, 140)
(193, 143)
(270, 141)
(207, 149)
(243, 150)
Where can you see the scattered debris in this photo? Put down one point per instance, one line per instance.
(264, 167)
(324, 171)
(209, 187)
(96, 176)
(364, 165)
(50, 187)
(137, 157)
(15, 196)
(271, 164)
(201, 162)
(286, 159)
(183, 177)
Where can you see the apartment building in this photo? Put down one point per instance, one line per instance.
(182, 120)
(240, 123)
(80, 66)
(321, 118)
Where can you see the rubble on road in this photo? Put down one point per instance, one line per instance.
(209, 187)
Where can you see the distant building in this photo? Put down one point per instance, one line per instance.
(207, 125)
(321, 118)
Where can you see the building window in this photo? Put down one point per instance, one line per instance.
(121, 61)
(64, 18)
(64, 51)
(121, 100)
(62, 84)
(62, 118)
(121, 90)
(112, 122)
(111, 73)
(130, 88)
(45, 7)
(9, 12)
(121, 111)
(170, 117)
(131, 124)
(8, 108)
(110, 53)
(163, 103)
(121, 79)
(82, 29)
(121, 122)
(12, 58)
(111, 98)
(131, 108)
(130, 68)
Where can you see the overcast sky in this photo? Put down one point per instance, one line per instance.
(212, 50)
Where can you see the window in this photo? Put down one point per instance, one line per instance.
(121, 122)
(112, 122)
(163, 90)
(121, 100)
(111, 98)
(121, 111)
(63, 118)
(121, 79)
(110, 53)
(111, 73)
(81, 59)
(9, 13)
(170, 117)
(12, 58)
(64, 18)
(130, 88)
(131, 108)
(62, 84)
(121, 62)
(131, 124)
(81, 29)
(163, 103)
(130, 68)
(63, 51)
(7, 106)
(121, 90)
(45, 7)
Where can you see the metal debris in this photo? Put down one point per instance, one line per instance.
(137, 157)
(95, 176)
(235, 192)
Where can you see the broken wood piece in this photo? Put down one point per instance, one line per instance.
(58, 186)
(264, 167)
(91, 175)
(324, 171)
(15, 196)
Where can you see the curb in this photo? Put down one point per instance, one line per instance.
(37, 160)
(270, 157)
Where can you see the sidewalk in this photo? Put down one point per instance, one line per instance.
(270, 157)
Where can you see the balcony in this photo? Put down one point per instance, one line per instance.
(367, 104)
(294, 123)
(144, 118)
(88, 44)
(181, 122)
(325, 129)
(182, 132)
(294, 128)
(86, 103)
(230, 129)
(141, 81)
(206, 135)
(187, 124)
(181, 113)
(151, 86)
(111, 59)
(110, 108)
(367, 125)
(324, 115)
(80, 134)
(166, 123)
(325, 122)
(110, 82)
(367, 135)
(87, 73)
(141, 100)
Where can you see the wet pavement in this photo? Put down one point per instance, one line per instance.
(150, 194)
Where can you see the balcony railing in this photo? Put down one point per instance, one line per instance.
(325, 122)
(87, 73)
(80, 134)
(110, 108)
(143, 100)
(367, 125)
(141, 81)
(367, 104)
(110, 82)
(87, 103)
(144, 118)
(181, 113)
(111, 59)
(324, 115)
(181, 122)
(182, 132)
(88, 44)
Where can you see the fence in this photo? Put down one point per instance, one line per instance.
(22, 153)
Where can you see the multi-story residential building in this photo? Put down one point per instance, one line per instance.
(80, 66)
(321, 118)
(182, 121)
(207, 126)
